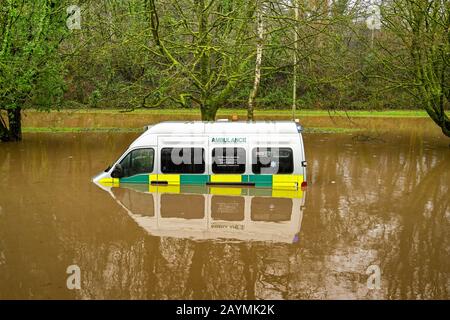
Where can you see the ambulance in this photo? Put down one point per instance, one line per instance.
(260, 154)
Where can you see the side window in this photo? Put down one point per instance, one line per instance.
(182, 160)
(272, 160)
(138, 161)
(228, 160)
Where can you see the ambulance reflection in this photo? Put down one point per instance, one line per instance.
(214, 213)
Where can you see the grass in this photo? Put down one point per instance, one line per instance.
(271, 112)
(330, 130)
(112, 129)
(124, 125)
(78, 129)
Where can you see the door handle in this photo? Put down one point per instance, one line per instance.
(159, 182)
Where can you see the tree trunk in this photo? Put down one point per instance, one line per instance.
(208, 112)
(14, 132)
(446, 128)
(259, 51)
(15, 124)
(4, 132)
(444, 123)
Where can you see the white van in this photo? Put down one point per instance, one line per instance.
(261, 154)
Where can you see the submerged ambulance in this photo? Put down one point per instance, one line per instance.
(262, 154)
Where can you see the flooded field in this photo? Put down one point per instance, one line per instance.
(130, 120)
(379, 200)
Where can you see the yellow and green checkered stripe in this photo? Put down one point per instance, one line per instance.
(275, 181)
(285, 186)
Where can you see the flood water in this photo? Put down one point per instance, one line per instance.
(371, 201)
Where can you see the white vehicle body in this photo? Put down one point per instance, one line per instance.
(274, 149)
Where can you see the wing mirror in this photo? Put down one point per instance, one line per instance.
(117, 172)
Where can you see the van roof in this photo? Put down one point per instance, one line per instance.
(223, 127)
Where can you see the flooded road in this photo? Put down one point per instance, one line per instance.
(380, 201)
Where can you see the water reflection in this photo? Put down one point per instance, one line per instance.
(212, 213)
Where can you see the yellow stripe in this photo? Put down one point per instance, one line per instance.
(109, 182)
(163, 189)
(172, 179)
(286, 193)
(287, 180)
(153, 177)
(285, 185)
(225, 191)
(226, 178)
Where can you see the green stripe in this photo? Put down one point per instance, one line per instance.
(140, 178)
(264, 180)
(194, 178)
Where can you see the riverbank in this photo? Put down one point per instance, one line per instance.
(313, 121)
(243, 112)
(107, 129)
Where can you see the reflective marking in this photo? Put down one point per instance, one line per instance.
(226, 178)
(110, 182)
(226, 191)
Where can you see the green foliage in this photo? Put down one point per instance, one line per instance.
(116, 54)
(200, 55)
(31, 70)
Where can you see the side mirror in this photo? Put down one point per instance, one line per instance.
(117, 172)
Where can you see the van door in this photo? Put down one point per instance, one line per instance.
(137, 164)
(182, 160)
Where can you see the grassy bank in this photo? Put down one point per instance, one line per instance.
(78, 129)
(106, 129)
(313, 121)
(242, 113)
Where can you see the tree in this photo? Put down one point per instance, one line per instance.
(30, 70)
(204, 44)
(422, 27)
(259, 52)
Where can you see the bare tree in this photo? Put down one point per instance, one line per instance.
(217, 57)
(422, 27)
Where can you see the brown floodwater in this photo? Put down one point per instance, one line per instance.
(373, 200)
